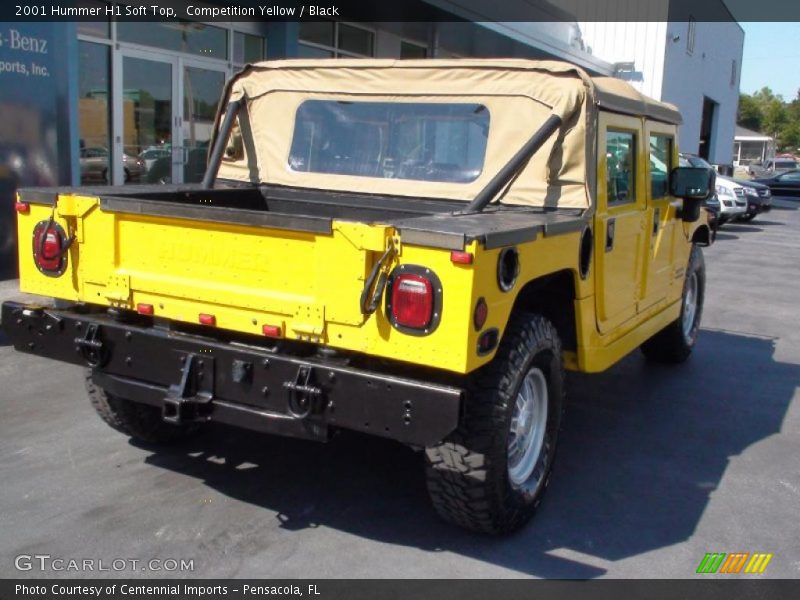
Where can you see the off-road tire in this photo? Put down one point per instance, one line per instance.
(671, 345)
(140, 421)
(467, 473)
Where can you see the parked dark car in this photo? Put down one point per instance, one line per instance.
(785, 184)
(758, 196)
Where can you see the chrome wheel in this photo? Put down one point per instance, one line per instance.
(689, 306)
(526, 435)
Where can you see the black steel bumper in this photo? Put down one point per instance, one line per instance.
(194, 378)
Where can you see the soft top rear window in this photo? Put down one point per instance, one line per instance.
(402, 140)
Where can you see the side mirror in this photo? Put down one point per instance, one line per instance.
(693, 184)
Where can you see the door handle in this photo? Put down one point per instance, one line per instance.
(610, 234)
(656, 219)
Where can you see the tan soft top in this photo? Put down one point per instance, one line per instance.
(519, 94)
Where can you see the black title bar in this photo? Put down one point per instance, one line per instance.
(402, 10)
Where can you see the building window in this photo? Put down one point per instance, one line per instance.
(412, 50)
(734, 66)
(94, 123)
(690, 34)
(331, 39)
(620, 167)
(247, 48)
(181, 36)
(660, 165)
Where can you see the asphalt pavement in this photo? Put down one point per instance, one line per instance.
(657, 466)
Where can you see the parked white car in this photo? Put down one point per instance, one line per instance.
(732, 199)
(732, 196)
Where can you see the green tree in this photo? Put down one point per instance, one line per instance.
(768, 113)
(749, 114)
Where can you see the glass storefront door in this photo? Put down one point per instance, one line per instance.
(201, 90)
(145, 119)
(165, 114)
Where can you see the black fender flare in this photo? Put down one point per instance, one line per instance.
(703, 236)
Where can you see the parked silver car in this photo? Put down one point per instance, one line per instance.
(94, 165)
(772, 167)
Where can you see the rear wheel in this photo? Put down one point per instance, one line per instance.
(674, 343)
(140, 421)
(491, 473)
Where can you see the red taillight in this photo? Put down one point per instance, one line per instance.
(412, 301)
(48, 249)
(207, 319)
(145, 309)
(272, 330)
(480, 315)
(23, 208)
(458, 257)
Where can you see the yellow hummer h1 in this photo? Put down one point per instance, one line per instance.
(412, 249)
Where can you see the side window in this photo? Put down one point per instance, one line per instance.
(620, 167)
(660, 165)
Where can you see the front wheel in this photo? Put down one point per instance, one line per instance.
(674, 343)
(491, 473)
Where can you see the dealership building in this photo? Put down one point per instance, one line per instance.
(120, 102)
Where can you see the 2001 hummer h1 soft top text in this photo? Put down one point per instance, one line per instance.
(413, 249)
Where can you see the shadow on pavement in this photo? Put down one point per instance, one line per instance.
(764, 223)
(642, 448)
(739, 228)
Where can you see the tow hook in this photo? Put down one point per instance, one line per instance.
(91, 347)
(304, 397)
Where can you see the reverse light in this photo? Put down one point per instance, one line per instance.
(206, 319)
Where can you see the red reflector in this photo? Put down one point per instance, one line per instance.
(412, 301)
(207, 319)
(272, 330)
(48, 255)
(480, 315)
(23, 208)
(461, 258)
(145, 309)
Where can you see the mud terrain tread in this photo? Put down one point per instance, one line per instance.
(466, 473)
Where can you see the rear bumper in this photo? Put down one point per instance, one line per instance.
(194, 378)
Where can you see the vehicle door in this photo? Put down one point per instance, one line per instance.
(661, 214)
(620, 220)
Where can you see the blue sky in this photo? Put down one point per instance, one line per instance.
(771, 58)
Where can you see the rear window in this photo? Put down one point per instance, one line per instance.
(399, 140)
